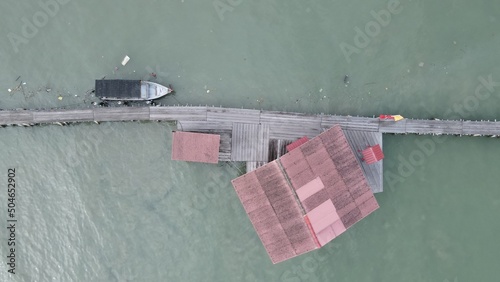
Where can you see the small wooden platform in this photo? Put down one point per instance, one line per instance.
(250, 142)
(359, 140)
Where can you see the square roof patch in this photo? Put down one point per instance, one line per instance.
(195, 147)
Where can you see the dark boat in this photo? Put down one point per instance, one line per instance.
(129, 90)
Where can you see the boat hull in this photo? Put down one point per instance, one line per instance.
(130, 90)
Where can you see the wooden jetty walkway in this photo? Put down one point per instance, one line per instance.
(283, 125)
(257, 136)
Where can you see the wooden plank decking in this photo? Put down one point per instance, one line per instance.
(65, 115)
(283, 125)
(121, 113)
(291, 126)
(241, 142)
(359, 140)
(250, 142)
(16, 117)
(178, 113)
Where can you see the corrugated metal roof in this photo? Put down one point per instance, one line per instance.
(330, 157)
(316, 192)
(274, 213)
(373, 154)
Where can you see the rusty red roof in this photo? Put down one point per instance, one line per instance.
(195, 147)
(373, 154)
(274, 213)
(296, 143)
(332, 192)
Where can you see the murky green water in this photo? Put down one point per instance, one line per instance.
(105, 203)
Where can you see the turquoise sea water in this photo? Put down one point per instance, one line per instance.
(106, 203)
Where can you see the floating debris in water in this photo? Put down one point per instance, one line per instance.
(59, 98)
(125, 60)
(10, 90)
(321, 90)
(421, 64)
(346, 79)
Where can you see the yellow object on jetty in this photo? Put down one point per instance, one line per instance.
(398, 117)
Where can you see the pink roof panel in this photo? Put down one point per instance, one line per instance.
(310, 188)
(324, 222)
(321, 211)
(315, 200)
(321, 220)
(195, 147)
(326, 235)
(338, 227)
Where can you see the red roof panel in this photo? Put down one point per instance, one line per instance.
(195, 147)
(296, 143)
(373, 154)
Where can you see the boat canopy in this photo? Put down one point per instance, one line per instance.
(118, 88)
